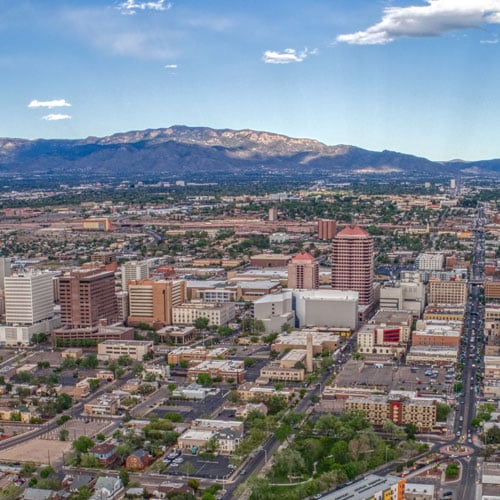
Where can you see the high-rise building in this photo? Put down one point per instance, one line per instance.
(29, 298)
(134, 270)
(273, 214)
(151, 301)
(303, 272)
(352, 263)
(5, 270)
(88, 298)
(327, 229)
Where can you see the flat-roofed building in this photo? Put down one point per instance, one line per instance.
(371, 487)
(134, 271)
(492, 367)
(420, 491)
(152, 301)
(374, 339)
(275, 372)
(444, 312)
(134, 349)
(430, 261)
(326, 308)
(217, 314)
(432, 355)
(227, 370)
(322, 341)
(250, 391)
(402, 320)
(180, 354)
(492, 289)
(270, 260)
(447, 292)
(177, 334)
(407, 296)
(437, 333)
(274, 311)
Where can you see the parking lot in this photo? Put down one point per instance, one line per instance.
(211, 468)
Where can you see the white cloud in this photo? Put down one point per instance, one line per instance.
(287, 56)
(171, 66)
(56, 117)
(132, 6)
(56, 103)
(431, 20)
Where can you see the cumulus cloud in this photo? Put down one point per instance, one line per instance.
(171, 66)
(434, 19)
(132, 6)
(56, 103)
(287, 56)
(53, 117)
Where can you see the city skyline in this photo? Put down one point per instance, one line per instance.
(416, 76)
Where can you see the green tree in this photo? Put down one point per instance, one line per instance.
(194, 484)
(82, 444)
(63, 402)
(89, 460)
(442, 412)
(90, 361)
(63, 435)
(452, 470)
(204, 379)
(201, 323)
(83, 493)
(187, 468)
(125, 477)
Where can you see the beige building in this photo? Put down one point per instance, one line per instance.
(151, 301)
(227, 370)
(217, 314)
(447, 292)
(323, 341)
(190, 354)
(275, 373)
(253, 392)
(113, 349)
(444, 313)
(397, 408)
(432, 355)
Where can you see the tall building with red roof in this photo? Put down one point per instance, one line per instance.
(303, 272)
(352, 263)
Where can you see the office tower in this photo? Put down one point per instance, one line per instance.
(151, 301)
(352, 263)
(327, 229)
(430, 261)
(29, 298)
(134, 270)
(303, 272)
(5, 270)
(273, 214)
(87, 298)
(106, 259)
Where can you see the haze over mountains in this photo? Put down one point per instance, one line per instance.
(205, 154)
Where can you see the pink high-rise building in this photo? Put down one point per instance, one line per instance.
(303, 272)
(327, 229)
(352, 263)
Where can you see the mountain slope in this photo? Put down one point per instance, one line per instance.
(203, 153)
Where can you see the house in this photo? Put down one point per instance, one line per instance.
(108, 488)
(72, 483)
(105, 453)
(138, 460)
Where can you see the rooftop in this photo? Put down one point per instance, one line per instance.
(353, 231)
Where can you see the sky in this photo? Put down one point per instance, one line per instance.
(416, 76)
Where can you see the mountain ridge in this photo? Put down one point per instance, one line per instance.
(203, 152)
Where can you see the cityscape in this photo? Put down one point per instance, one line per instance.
(250, 250)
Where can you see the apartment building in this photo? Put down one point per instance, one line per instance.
(447, 292)
(217, 314)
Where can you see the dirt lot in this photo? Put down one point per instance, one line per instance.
(37, 450)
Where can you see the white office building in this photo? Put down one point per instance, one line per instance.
(134, 270)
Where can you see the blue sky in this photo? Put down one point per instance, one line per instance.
(417, 76)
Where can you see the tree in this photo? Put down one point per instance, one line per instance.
(194, 484)
(125, 477)
(452, 470)
(275, 404)
(187, 468)
(90, 361)
(411, 430)
(63, 435)
(249, 362)
(89, 460)
(82, 444)
(204, 379)
(83, 493)
(100, 437)
(288, 463)
(63, 402)
(201, 323)
(442, 412)
(282, 432)
(94, 384)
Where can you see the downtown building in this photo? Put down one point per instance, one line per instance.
(303, 272)
(352, 265)
(29, 307)
(89, 308)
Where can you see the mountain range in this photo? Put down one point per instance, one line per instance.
(205, 154)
